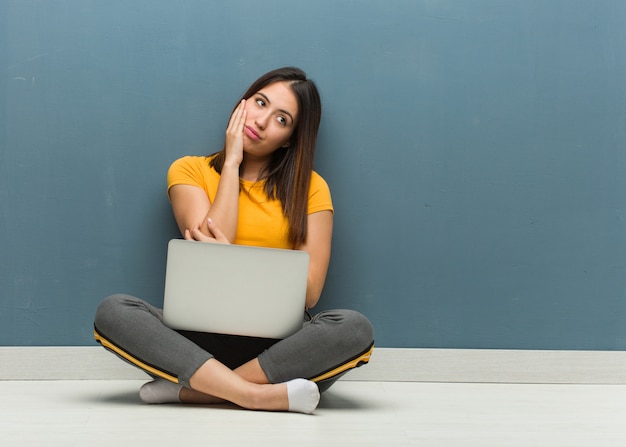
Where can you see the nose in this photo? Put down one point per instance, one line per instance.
(261, 120)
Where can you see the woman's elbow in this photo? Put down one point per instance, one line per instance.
(313, 294)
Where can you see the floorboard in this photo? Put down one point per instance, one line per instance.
(109, 412)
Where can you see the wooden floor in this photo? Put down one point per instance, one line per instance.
(352, 413)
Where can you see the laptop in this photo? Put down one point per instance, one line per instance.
(234, 289)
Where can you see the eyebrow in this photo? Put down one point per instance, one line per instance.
(280, 110)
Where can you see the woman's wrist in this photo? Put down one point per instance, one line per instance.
(230, 165)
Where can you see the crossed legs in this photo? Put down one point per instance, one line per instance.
(196, 376)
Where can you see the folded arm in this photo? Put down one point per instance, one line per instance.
(192, 208)
(190, 204)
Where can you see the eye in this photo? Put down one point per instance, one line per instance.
(260, 102)
(282, 120)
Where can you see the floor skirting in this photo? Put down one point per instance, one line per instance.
(387, 365)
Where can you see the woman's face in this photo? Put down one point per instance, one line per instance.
(272, 116)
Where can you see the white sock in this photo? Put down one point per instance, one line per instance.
(160, 391)
(303, 396)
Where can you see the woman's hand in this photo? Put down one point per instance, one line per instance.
(234, 135)
(216, 236)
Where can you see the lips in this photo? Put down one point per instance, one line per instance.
(252, 134)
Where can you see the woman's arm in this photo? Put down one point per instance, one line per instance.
(190, 205)
(192, 208)
(318, 245)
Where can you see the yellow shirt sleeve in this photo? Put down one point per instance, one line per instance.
(194, 171)
(319, 195)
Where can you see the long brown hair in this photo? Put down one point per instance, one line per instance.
(288, 172)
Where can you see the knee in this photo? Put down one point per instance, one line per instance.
(110, 312)
(360, 328)
(352, 327)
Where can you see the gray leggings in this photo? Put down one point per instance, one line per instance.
(328, 345)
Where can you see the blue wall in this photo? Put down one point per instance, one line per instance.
(475, 151)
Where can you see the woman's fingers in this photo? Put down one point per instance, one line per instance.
(236, 119)
(216, 236)
(196, 235)
(234, 133)
(216, 232)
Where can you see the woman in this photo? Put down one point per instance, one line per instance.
(259, 190)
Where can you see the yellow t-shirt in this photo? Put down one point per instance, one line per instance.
(261, 221)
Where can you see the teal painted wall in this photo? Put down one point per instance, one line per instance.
(475, 151)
